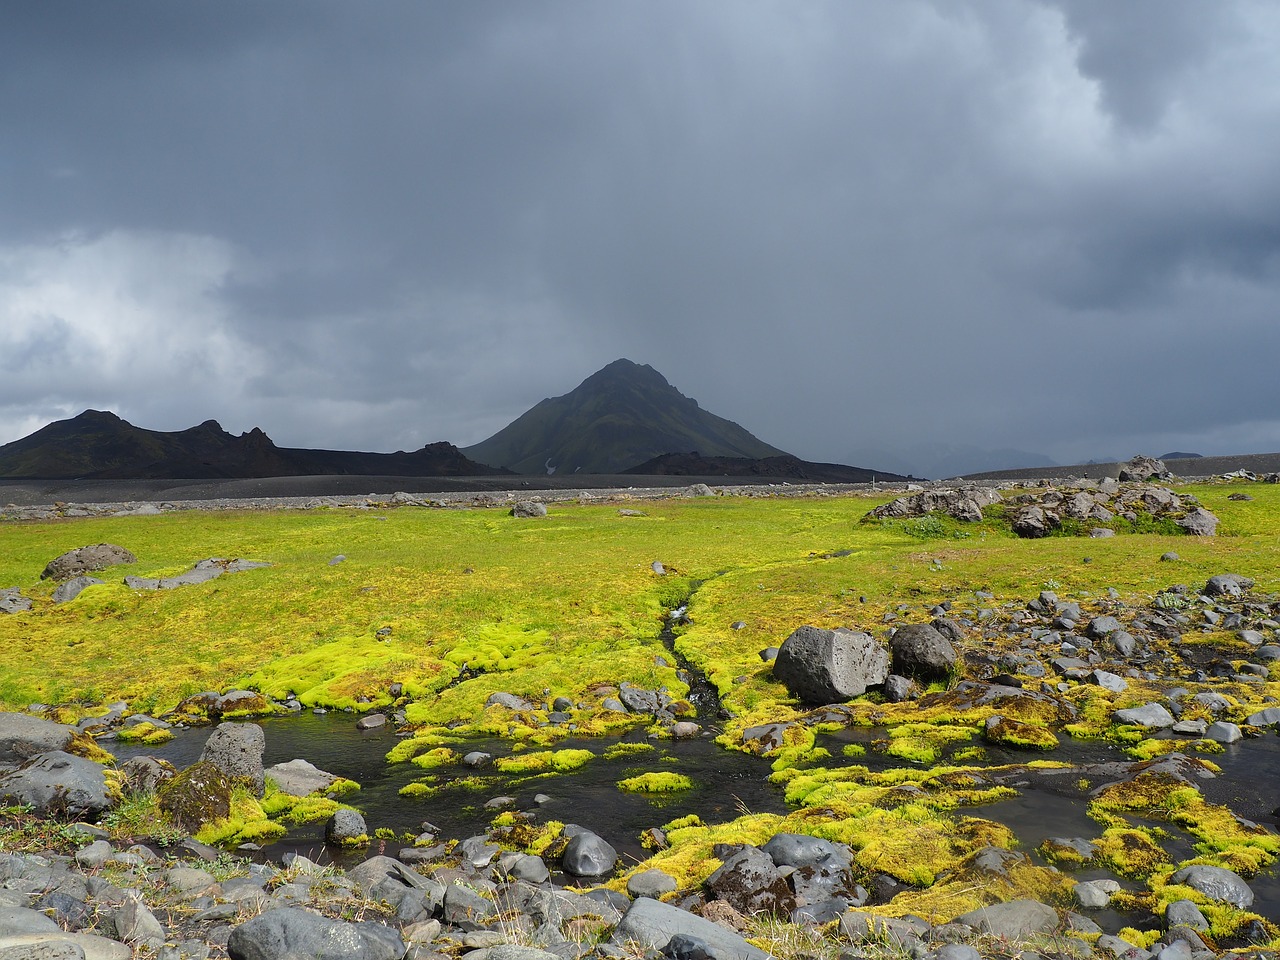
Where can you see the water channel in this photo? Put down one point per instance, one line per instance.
(726, 783)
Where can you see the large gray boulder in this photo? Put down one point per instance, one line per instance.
(23, 736)
(1227, 585)
(1217, 883)
(61, 945)
(1141, 469)
(922, 652)
(587, 855)
(1153, 716)
(651, 924)
(73, 563)
(291, 933)
(298, 778)
(829, 666)
(58, 784)
(1013, 920)
(236, 749)
(1198, 522)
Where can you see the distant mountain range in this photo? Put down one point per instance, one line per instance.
(100, 446)
(620, 416)
(785, 467)
(625, 417)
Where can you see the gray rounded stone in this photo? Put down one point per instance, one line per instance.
(346, 827)
(587, 855)
(650, 883)
(1219, 883)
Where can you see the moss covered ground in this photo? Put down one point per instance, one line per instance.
(457, 604)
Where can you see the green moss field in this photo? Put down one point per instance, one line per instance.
(562, 605)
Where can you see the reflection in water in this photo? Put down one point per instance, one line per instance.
(726, 784)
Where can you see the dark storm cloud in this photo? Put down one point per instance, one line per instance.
(849, 227)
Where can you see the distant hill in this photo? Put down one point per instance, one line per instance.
(620, 416)
(943, 461)
(1179, 455)
(99, 445)
(785, 467)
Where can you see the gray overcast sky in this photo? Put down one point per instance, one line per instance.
(856, 228)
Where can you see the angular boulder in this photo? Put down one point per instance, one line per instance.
(1142, 469)
(83, 560)
(751, 883)
(23, 736)
(830, 666)
(236, 749)
(1198, 522)
(58, 784)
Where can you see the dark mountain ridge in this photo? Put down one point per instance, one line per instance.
(622, 415)
(785, 467)
(98, 445)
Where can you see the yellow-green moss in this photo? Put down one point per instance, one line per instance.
(437, 757)
(145, 732)
(618, 750)
(660, 782)
(558, 761)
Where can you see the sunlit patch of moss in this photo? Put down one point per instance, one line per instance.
(853, 750)
(559, 761)
(1021, 736)
(421, 789)
(1139, 938)
(967, 754)
(925, 742)
(1227, 923)
(83, 745)
(246, 823)
(420, 742)
(145, 732)
(1131, 852)
(516, 831)
(1152, 747)
(655, 782)
(619, 750)
(437, 757)
(342, 787)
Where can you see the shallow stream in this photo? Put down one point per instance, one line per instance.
(726, 784)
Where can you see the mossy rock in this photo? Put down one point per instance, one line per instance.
(1021, 736)
(198, 795)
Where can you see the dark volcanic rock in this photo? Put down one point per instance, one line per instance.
(921, 651)
(196, 796)
(829, 666)
(237, 749)
(750, 882)
(83, 560)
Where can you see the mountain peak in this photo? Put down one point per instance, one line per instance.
(623, 414)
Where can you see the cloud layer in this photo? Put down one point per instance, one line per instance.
(850, 227)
